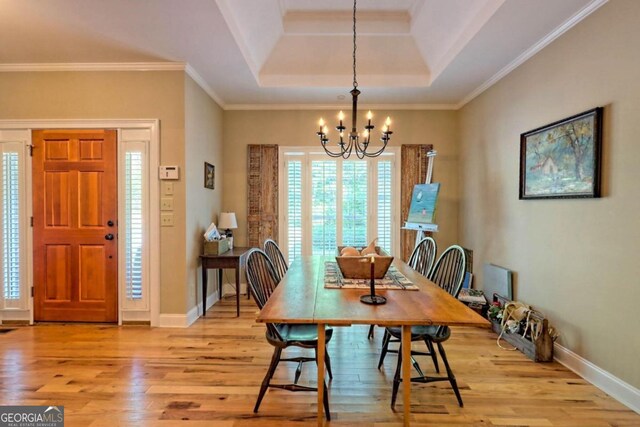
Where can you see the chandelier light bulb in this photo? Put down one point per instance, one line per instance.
(388, 122)
(341, 116)
(321, 122)
(369, 115)
(325, 130)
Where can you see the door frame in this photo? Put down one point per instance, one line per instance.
(152, 126)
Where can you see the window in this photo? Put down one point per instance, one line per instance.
(294, 209)
(323, 207)
(12, 226)
(133, 226)
(331, 202)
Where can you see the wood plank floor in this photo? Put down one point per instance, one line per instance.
(209, 374)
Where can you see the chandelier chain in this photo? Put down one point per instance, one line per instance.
(355, 81)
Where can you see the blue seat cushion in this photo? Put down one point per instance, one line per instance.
(303, 332)
(421, 332)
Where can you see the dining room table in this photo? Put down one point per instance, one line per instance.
(301, 297)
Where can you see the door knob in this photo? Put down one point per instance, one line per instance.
(108, 237)
(110, 223)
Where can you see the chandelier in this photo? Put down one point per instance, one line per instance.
(354, 140)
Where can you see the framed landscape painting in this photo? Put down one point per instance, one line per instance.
(562, 160)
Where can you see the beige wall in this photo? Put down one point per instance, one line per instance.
(203, 143)
(576, 260)
(297, 128)
(117, 95)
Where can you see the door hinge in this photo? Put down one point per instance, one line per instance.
(31, 221)
(32, 291)
(30, 150)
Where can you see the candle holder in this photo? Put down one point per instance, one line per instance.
(372, 298)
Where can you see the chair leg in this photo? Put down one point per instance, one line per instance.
(385, 347)
(452, 378)
(396, 379)
(371, 329)
(434, 356)
(275, 359)
(325, 401)
(327, 361)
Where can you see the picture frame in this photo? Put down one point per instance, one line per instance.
(562, 160)
(209, 176)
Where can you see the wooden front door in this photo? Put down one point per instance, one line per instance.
(75, 226)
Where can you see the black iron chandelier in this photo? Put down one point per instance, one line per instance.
(353, 139)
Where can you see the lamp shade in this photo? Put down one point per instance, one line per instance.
(227, 220)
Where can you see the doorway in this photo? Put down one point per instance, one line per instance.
(75, 225)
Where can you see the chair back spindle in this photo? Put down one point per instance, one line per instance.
(423, 256)
(448, 272)
(276, 257)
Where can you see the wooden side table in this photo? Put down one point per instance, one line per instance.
(232, 259)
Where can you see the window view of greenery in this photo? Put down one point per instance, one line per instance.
(11, 226)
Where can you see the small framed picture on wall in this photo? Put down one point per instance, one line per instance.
(209, 176)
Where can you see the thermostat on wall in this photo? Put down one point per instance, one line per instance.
(169, 172)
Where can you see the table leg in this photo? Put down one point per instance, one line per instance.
(220, 283)
(204, 289)
(406, 372)
(320, 352)
(237, 291)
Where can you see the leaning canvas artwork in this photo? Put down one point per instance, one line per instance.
(423, 203)
(562, 159)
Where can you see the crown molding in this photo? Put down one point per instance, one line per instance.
(95, 66)
(544, 42)
(273, 107)
(191, 72)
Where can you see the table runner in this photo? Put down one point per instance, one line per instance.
(393, 279)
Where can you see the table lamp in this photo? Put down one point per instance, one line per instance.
(227, 221)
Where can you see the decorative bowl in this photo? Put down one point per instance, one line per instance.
(359, 267)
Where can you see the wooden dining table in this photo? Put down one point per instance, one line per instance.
(302, 298)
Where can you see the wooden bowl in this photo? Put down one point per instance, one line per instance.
(359, 267)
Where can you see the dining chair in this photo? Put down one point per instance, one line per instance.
(448, 273)
(262, 278)
(421, 260)
(276, 257)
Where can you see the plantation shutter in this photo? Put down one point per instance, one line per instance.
(11, 262)
(324, 207)
(354, 203)
(262, 194)
(413, 171)
(134, 229)
(294, 209)
(384, 205)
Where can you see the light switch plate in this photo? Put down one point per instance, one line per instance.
(166, 204)
(166, 220)
(167, 188)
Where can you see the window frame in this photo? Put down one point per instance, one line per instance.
(308, 154)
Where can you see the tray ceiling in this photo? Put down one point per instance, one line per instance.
(294, 53)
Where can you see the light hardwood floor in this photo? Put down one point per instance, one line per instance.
(209, 374)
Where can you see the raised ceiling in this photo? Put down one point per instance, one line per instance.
(293, 53)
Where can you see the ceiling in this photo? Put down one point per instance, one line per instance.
(293, 53)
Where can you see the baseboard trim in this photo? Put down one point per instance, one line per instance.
(623, 392)
(186, 320)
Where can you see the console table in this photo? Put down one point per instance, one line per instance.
(232, 259)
